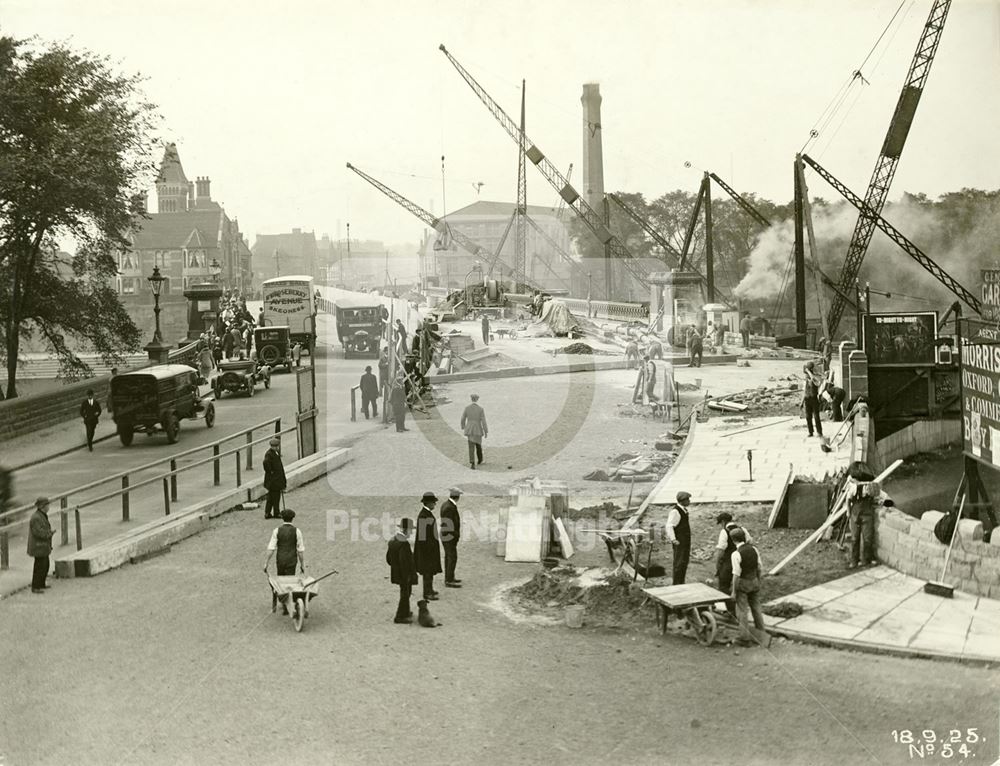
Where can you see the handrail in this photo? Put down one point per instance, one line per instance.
(143, 467)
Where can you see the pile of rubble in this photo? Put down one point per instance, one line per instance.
(582, 348)
(782, 399)
(630, 466)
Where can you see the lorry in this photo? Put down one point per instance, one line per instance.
(360, 324)
(288, 301)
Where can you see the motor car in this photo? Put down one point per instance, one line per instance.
(158, 398)
(274, 346)
(241, 376)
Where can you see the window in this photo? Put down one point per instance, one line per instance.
(126, 262)
(193, 259)
(128, 286)
(165, 287)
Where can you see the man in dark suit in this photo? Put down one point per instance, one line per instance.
(274, 479)
(40, 534)
(369, 392)
(399, 557)
(451, 533)
(427, 548)
(90, 411)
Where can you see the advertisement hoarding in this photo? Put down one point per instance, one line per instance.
(905, 339)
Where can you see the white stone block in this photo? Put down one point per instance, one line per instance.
(930, 518)
(970, 529)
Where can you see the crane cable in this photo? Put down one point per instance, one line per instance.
(841, 95)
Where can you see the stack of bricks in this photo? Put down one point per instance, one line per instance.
(908, 545)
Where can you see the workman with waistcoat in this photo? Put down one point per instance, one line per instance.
(724, 549)
(287, 546)
(679, 535)
(746, 586)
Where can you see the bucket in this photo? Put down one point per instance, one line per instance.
(574, 616)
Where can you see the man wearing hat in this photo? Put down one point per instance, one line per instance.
(427, 548)
(369, 392)
(451, 533)
(679, 535)
(40, 534)
(274, 478)
(725, 547)
(90, 411)
(287, 543)
(473, 425)
(399, 557)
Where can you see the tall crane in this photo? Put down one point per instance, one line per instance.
(436, 223)
(896, 236)
(561, 208)
(892, 148)
(646, 226)
(591, 218)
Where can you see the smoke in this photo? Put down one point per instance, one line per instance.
(960, 237)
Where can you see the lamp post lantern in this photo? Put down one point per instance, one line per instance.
(157, 350)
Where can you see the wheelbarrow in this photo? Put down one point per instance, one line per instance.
(695, 601)
(294, 592)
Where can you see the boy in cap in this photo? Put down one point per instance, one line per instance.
(274, 478)
(427, 548)
(287, 543)
(451, 533)
(679, 536)
(399, 557)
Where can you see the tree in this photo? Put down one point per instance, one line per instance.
(74, 151)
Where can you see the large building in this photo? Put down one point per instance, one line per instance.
(282, 255)
(190, 238)
(446, 264)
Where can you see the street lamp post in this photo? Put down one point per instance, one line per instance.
(157, 350)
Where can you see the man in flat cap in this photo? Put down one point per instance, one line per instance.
(399, 557)
(679, 535)
(274, 478)
(427, 548)
(474, 427)
(40, 534)
(725, 547)
(451, 533)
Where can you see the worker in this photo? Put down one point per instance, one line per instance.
(649, 370)
(724, 549)
(810, 398)
(862, 492)
(631, 354)
(745, 327)
(746, 587)
(696, 348)
(655, 348)
(832, 397)
(679, 536)
(486, 329)
(720, 338)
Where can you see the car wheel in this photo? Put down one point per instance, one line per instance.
(172, 427)
(210, 415)
(125, 433)
(269, 354)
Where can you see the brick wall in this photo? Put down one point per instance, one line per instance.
(909, 546)
(921, 436)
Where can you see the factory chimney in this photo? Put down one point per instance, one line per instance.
(593, 155)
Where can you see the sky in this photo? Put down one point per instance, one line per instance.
(270, 100)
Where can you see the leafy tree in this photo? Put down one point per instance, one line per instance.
(74, 149)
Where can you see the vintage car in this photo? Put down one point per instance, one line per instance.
(242, 375)
(360, 324)
(274, 346)
(157, 399)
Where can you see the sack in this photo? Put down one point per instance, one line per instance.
(944, 528)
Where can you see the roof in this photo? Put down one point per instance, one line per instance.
(506, 209)
(176, 230)
(351, 302)
(289, 278)
(171, 170)
(159, 371)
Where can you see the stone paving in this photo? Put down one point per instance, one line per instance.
(882, 610)
(714, 467)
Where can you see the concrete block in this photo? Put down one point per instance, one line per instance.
(970, 529)
(929, 518)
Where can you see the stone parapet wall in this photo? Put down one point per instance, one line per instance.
(921, 436)
(908, 545)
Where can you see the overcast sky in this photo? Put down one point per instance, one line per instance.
(271, 99)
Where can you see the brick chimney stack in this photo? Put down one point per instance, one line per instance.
(593, 153)
(203, 189)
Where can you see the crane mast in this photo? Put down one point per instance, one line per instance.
(892, 148)
(593, 220)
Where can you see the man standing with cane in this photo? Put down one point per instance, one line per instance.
(40, 534)
(451, 533)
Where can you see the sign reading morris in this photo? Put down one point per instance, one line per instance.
(981, 375)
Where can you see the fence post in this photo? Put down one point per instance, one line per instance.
(166, 496)
(79, 529)
(239, 472)
(250, 450)
(215, 465)
(173, 479)
(125, 506)
(4, 550)
(63, 521)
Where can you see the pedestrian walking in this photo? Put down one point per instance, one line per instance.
(451, 533)
(862, 491)
(679, 536)
(746, 588)
(397, 399)
(401, 337)
(40, 534)
(274, 478)
(402, 572)
(383, 368)
(369, 392)
(486, 330)
(260, 317)
(474, 427)
(697, 348)
(745, 327)
(810, 399)
(427, 548)
(720, 338)
(205, 361)
(90, 411)
(649, 370)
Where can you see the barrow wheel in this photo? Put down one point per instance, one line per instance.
(171, 426)
(209, 415)
(299, 614)
(704, 627)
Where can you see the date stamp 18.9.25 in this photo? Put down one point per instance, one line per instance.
(938, 745)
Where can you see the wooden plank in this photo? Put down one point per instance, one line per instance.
(727, 406)
(839, 510)
(527, 529)
(688, 594)
(776, 508)
(565, 544)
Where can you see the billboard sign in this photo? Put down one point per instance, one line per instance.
(901, 339)
(990, 294)
(981, 400)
